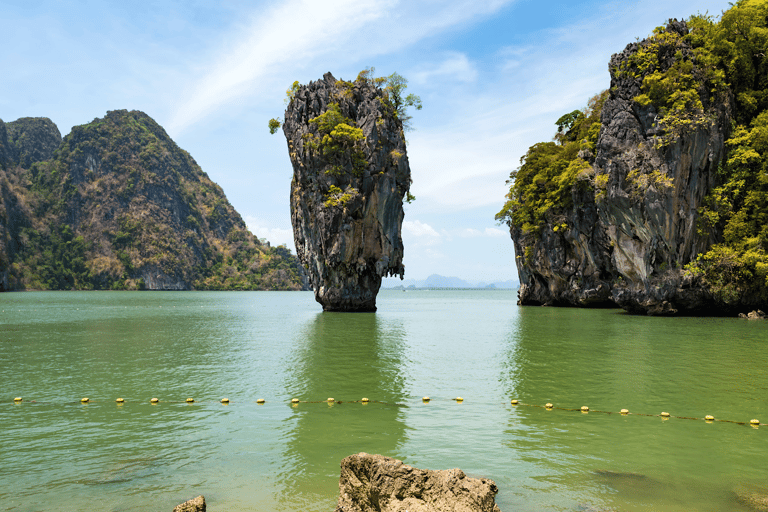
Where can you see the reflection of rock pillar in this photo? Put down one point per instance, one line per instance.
(347, 358)
(350, 175)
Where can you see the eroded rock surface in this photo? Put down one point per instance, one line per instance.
(628, 246)
(350, 175)
(193, 505)
(374, 483)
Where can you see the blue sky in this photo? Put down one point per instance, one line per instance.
(493, 76)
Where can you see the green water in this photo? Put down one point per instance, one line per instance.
(59, 454)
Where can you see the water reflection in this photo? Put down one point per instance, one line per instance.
(345, 357)
(608, 361)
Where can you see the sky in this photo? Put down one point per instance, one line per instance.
(493, 77)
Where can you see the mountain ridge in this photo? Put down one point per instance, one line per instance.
(116, 204)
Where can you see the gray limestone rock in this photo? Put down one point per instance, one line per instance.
(350, 176)
(374, 483)
(626, 245)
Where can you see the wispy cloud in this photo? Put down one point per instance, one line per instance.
(303, 31)
(274, 235)
(420, 231)
(456, 67)
(297, 30)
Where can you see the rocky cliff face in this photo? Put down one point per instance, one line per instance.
(633, 223)
(22, 143)
(350, 175)
(117, 204)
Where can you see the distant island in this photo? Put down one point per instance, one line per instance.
(117, 205)
(436, 281)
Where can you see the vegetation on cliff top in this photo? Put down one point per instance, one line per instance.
(683, 76)
(120, 206)
(542, 185)
(339, 141)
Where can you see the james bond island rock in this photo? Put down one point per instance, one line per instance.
(649, 199)
(374, 483)
(350, 176)
(117, 204)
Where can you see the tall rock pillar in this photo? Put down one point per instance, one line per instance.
(350, 176)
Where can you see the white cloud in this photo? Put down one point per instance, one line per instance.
(274, 235)
(456, 68)
(297, 30)
(495, 232)
(419, 230)
(278, 43)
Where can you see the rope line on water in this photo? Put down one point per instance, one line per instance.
(331, 401)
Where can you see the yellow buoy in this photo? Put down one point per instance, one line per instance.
(459, 399)
(364, 400)
(120, 400)
(709, 417)
(425, 399)
(294, 400)
(754, 422)
(260, 401)
(84, 400)
(154, 400)
(624, 411)
(190, 400)
(548, 405)
(225, 400)
(584, 408)
(17, 399)
(665, 415)
(515, 402)
(330, 400)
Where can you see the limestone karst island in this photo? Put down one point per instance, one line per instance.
(350, 178)
(118, 205)
(654, 197)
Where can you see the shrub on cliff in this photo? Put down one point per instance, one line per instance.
(548, 171)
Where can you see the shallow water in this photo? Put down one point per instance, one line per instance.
(56, 347)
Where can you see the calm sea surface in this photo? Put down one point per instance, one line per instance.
(59, 454)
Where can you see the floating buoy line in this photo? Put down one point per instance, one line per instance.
(549, 406)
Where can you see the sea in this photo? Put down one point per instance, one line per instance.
(470, 352)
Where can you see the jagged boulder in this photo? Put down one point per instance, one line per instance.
(374, 483)
(350, 176)
(193, 505)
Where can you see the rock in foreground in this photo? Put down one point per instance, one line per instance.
(350, 175)
(193, 505)
(374, 483)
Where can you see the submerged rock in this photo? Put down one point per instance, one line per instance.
(193, 505)
(753, 500)
(374, 483)
(350, 176)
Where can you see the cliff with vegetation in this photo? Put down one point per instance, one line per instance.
(350, 177)
(117, 204)
(655, 197)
